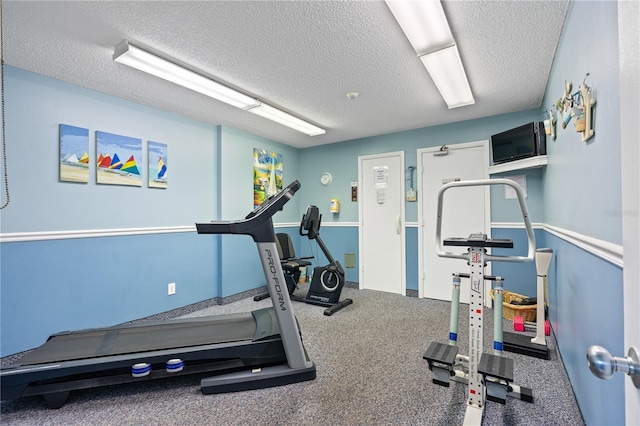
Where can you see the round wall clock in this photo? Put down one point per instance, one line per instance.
(326, 178)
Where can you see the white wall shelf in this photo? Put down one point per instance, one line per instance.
(526, 163)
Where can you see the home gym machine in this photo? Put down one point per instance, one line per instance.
(488, 376)
(326, 282)
(255, 350)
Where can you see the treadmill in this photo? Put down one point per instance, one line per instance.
(253, 350)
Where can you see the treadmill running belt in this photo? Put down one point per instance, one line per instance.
(127, 339)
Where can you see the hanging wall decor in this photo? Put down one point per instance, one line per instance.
(579, 105)
(74, 154)
(586, 102)
(111, 170)
(267, 175)
(158, 176)
(550, 123)
(564, 105)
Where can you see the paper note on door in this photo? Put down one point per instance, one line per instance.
(380, 174)
(381, 196)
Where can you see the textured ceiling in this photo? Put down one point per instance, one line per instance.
(300, 56)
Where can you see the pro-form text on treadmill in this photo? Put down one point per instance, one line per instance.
(276, 281)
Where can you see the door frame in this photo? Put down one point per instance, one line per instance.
(629, 108)
(484, 144)
(403, 274)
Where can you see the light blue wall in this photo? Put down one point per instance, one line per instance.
(508, 210)
(54, 285)
(585, 308)
(239, 262)
(581, 189)
(36, 105)
(71, 284)
(582, 184)
(341, 160)
(519, 277)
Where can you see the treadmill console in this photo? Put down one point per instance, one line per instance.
(258, 223)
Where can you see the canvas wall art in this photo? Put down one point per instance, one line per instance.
(119, 159)
(267, 175)
(157, 165)
(74, 154)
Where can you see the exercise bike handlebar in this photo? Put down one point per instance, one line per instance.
(257, 223)
(523, 209)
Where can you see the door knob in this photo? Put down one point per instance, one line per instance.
(602, 364)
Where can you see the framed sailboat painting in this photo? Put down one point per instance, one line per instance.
(119, 159)
(74, 154)
(157, 165)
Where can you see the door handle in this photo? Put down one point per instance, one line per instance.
(398, 225)
(602, 364)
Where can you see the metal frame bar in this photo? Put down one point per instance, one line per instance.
(523, 209)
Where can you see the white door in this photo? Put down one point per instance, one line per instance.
(465, 211)
(381, 217)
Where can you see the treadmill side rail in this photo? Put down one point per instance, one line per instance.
(261, 378)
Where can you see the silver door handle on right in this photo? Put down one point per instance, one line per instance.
(602, 364)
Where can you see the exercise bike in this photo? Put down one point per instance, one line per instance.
(326, 282)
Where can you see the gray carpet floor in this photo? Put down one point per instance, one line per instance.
(370, 371)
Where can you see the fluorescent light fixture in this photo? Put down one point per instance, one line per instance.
(447, 72)
(425, 25)
(133, 56)
(274, 114)
(138, 58)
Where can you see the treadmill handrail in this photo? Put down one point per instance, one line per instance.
(253, 223)
(523, 209)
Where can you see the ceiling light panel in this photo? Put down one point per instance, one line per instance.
(274, 114)
(126, 53)
(133, 56)
(424, 23)
(446, 69)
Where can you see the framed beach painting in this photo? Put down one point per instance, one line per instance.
(74, 154)
(157, 165)
(267, 175)
(119, 159)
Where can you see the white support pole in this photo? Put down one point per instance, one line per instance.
(543, 261)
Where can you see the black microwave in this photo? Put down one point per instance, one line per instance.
(528, 140)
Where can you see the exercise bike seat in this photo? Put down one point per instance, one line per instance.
(290, 263)
(287, 252)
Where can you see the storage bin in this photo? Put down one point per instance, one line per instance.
(509, 310)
